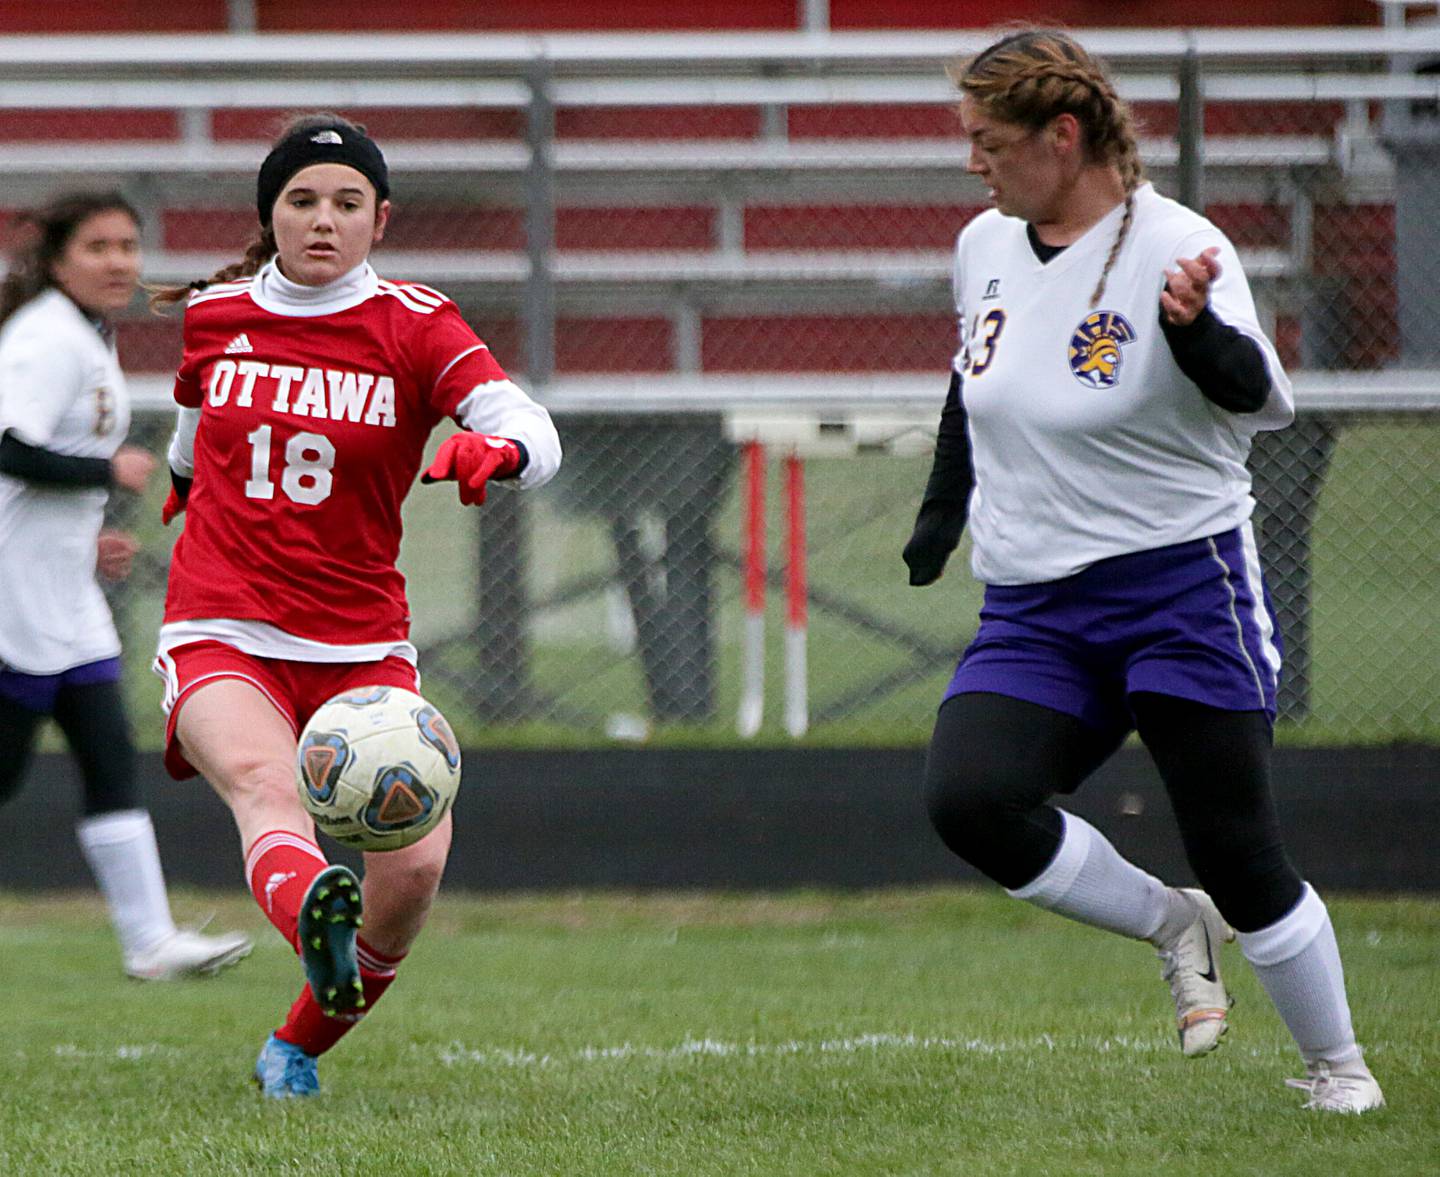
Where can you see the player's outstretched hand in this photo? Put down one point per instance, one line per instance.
(472, 460)
(1187, 287)
(937, 532)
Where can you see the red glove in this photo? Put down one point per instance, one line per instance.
(176, 499)
(473, 459)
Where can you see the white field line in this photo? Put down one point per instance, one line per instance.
(458, 1054)
(123, 1053)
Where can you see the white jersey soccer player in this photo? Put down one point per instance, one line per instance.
(60, 388)
(64, 414)
(1088, 440)
(1110, 378)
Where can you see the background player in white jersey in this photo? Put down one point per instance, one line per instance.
(307, 390)
(1110, 377)
(64, 414)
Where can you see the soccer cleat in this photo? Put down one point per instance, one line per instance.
(1349, 1089)
(284, 1071)
(1192, 966)
(329, 916)
(188, 954)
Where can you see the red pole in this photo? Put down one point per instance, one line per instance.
(752, 656)
(796, 589)
(797, 690)
(754, 527)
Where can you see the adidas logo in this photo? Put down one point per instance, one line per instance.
(241, 343)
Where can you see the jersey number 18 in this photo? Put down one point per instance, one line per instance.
(307, 477)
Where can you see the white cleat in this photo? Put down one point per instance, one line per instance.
(1348, 1089)
(1192, 966)
(188, 954)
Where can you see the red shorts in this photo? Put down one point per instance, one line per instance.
(295, 689)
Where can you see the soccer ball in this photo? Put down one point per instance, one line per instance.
(378, 768)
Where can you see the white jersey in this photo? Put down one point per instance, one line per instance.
(60, 388)
(1088, 441)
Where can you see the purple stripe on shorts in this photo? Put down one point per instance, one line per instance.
(38, 692)
(1190, 620)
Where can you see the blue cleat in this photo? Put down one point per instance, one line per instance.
(284, 1071)
(328, 919)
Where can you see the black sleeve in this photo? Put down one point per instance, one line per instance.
(33, 463)
(524, 456)
(1224, 363)
(181, 486)
(947, 494)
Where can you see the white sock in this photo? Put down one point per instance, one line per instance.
(120, 848)
(1298, 962)
(1089, 881)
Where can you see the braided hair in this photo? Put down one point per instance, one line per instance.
(1030, 76)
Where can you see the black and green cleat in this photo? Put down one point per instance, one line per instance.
(329, 917)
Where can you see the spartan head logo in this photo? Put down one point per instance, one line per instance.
(1094, 352)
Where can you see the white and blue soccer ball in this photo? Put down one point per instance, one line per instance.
(379, 768)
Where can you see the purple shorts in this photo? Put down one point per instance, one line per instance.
(1191, 620)
(38, 692)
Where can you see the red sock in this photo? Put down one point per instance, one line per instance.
(312, 1030)
(280, 867)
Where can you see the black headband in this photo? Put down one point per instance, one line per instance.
(333, 143)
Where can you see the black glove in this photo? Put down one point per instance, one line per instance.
(936, 535)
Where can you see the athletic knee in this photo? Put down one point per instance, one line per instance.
(954, 803)
(975, 814)
(419, 881)
(252, 783)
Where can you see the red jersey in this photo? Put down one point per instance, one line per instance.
(311, 433)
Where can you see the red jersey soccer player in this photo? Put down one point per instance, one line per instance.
(307, 390)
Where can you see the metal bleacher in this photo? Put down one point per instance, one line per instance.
(814, 123)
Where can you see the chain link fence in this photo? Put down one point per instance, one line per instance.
(703, 258)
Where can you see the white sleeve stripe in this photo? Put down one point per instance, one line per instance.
(404, 296)
(210, 293)
(425, 293)
(457, 359)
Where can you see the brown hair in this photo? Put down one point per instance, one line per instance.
(262, 246)
(1030, 76)
(44, 234)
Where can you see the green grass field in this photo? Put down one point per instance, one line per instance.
(897, 1033)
